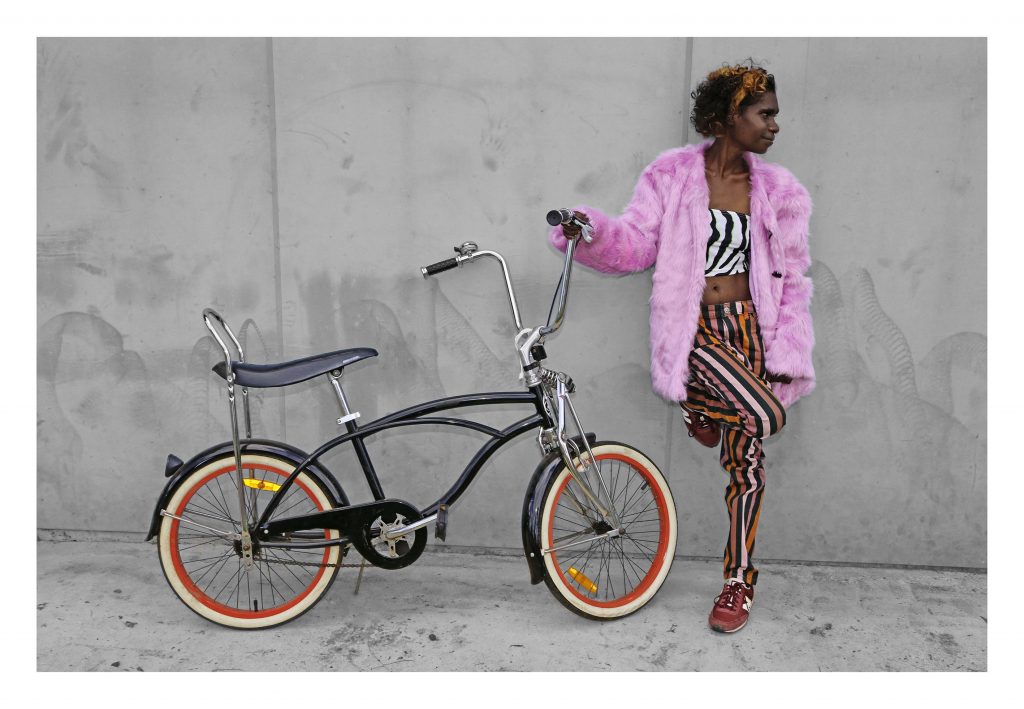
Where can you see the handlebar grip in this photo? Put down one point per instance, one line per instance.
(559, 216)
(435, 268)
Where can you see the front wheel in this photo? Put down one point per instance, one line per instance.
(203, 564)
(594, 569)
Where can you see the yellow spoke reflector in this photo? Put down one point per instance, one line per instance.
(582, 580)
(261, 484)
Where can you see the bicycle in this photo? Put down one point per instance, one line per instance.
(252, 532)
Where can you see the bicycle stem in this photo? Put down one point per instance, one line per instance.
(562, 294)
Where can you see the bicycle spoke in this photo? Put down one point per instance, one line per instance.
(208, 567)
(652, 502)
(227, 558)
(642, 547)
(228, 583)
(211, 540)
(290, 569)
(207, 508)
(284, 581)
(279, 512)
(273, 591)
(581, 508)
(558, 540)
(192, 512)
(637, 494)
(210, 498)
(223, 497)
(632, 573)
(605, 564)
(614, 484)
(622, 560)
(238, 586)
(205, 558)
(586, 560)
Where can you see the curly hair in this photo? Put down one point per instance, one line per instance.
(727, 91)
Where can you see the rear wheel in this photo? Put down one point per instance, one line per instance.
(592, 570)
(204, 567)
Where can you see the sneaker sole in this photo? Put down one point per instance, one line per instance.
(720, 629)
(709, 443)
(723, 630)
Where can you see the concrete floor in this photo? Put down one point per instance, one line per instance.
(105, 606)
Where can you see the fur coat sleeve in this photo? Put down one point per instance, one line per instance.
(623, 244)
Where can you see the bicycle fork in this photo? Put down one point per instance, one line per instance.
(580, 471)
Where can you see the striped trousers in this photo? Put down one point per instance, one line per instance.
(727, 384)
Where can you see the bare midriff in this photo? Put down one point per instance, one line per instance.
(730, 193)
(726, 289)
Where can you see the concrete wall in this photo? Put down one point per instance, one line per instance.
(297, 185)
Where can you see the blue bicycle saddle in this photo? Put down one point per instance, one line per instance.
(299, 370)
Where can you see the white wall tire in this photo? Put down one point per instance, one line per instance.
(610, 578)
(204, 571)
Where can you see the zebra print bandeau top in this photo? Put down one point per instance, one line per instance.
(729, 244)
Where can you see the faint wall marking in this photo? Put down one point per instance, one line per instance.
(64, 133)
(88, 386)
(843, 326)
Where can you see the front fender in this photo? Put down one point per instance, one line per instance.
(549, 466)
(178, 471)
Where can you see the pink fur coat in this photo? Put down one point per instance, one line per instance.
(666, 225)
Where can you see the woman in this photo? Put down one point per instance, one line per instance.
(731, 334)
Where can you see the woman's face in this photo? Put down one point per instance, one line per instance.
(754, 128)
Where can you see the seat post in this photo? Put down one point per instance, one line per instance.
(346, 414)
(348, 419)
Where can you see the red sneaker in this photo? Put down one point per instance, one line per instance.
(707, 432)
(732, 607)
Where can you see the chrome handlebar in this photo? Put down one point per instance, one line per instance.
(469, 251)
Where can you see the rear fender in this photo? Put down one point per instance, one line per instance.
(549, 466)
(177, 471)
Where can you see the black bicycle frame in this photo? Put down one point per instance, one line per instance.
(417, 415)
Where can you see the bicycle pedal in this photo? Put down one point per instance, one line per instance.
(441, 524)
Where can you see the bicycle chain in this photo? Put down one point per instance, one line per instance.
(308, 563)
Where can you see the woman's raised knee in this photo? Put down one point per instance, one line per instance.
(775, 421)
(766, 421)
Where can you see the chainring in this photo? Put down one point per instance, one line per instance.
(396, 553)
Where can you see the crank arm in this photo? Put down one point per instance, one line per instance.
(233, 536)
(402, 531)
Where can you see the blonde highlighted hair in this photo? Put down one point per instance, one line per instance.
(724, 93)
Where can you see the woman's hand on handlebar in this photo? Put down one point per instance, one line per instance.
(572, 230)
